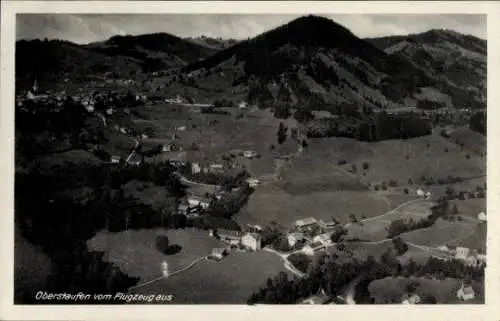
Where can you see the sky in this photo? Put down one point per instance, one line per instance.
(88, 28)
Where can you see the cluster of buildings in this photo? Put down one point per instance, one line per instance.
(247, 240)
(315, 234)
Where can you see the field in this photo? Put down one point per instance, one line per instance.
(471, 207)
(445, 232)
(431, 156)
(136, 255)
(374, 229)
(270, 203)
(75, 156)
(230, 281)
(443, 290)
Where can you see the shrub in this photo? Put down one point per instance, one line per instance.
(446, 150)
(467, 156)
(366, 165)
(341, 162)
(406, 191)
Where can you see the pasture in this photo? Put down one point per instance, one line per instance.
(135, 253)
(374, 229)
(392, 289)
(443, 233)
(230, 281)
(271, 203)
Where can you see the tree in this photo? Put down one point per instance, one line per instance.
(454, 209)
(400, 245)
(281, 133)
(162, 243)
(366, 165)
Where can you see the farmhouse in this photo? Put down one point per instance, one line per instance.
(115, 159)
(481, 216)
(218, 253)
(462, 253)
(183, 209)
(420, 192)
(251, 241)
(232, 237)
(250, 154)
(195, 168)
(410, 299)
(312, 248)
(195, 201)
(215, 168)
(243, 105)
(180, 128)
(324, 239)
(109, 111)
(316, 299)
(306, 223)
(465, 293)
(294, 238)
(253, 182)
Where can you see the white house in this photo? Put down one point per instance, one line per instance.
(250, 154)
(251, 241)
(306, 222)
(115, 159)
(180, 128)
(312, 248)
(481, 216)
(195, 168)
(428, 195)
(420, 192)
(253, 182)
(293, 238)
(194, 201)
(109, 111)
(410, 299)
(462, 253)
(243, 105)
(324, 239)
(465, 293)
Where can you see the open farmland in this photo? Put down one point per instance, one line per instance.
(270, 203)
(392, 289)
(374, 229)
(136, 254)
(226, 282)
(429, 156)
(443, 233)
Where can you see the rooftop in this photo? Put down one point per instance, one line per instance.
(306, 221)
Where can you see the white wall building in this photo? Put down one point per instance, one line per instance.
(251, 241)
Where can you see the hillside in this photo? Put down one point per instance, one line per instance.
(213, 43)
(316, 63)
(121, 56)
(457, 60)
(157, 51)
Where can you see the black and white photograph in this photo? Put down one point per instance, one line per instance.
(250, 159)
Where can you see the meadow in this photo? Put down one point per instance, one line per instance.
(230, 281)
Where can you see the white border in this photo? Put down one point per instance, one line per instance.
(489, 311)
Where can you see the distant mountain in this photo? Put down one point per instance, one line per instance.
(457, 60)
(160, 50)
(313, 61)
(124, 56)
(53, 61)
(213, 43)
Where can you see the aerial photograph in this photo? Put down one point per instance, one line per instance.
(250, 159)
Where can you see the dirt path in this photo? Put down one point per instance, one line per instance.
(187, 267)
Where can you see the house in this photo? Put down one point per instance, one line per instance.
(218, 253)
(294, 238)
(325, 238)
(428, 195)
(195, 168)
(215, 168)
(253, 182)
(316, 299)
(472, 260)
(410, 299)
(249, 154)
(465, 293)
(312, 248)
(443, 248)
(252, 241)
(420, 193)
(462, 253)
(243, 105)
(180, 128)
(183, 209)
(170, 147)
(327, 224)
(144, 136)
(232, 237)
(195, 201)
(481, 216)
(115, 159)
(109, 111)
(135, 160)
(306, 222)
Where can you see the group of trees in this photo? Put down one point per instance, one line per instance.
(328, 274)
(281, 134)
